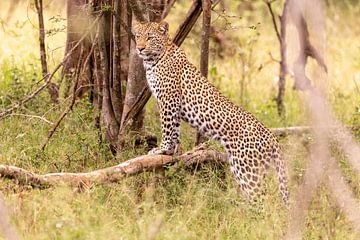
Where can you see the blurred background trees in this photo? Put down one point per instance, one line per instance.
(100, 62)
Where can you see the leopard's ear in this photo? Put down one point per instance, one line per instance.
(163, 27)
(135, 26)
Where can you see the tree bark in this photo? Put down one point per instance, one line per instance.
(282, 41)
(116, 93)
(136, 81)
(204, 57)
(181, 33)
(283, 64)
(302, 82)
(190, 20)
(77, 24)
(111, 125)
(52, 87)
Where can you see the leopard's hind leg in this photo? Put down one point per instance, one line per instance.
(249, 173)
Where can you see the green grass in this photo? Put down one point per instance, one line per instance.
(175, 203)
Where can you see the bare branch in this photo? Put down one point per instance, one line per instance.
(190, 20)
(268, 4)
(32, 116)
(39, 9)
(111, 174)
(167, 9)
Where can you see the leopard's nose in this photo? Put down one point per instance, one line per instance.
(140, 49)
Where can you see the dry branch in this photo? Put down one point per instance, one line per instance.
(190, 20)
(268, 4)
(167, 8)
(32, 116)
(111, 174)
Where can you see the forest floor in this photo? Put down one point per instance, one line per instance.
(174, 203)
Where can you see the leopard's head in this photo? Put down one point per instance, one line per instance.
(151, 39)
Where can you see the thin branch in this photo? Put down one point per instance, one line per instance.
(39, 9)
(268, 4)
(190, 20)
(32, 116)
(283, 62)
(215, 3)
(297, 130)
(167, 9)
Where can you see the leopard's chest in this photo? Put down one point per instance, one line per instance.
(153, 80)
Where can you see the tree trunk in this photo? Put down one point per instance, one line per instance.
(77, 22)
(283, 65)
(204, 58)
(52, 87)
(136, 81)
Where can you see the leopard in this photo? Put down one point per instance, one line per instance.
(183, 93)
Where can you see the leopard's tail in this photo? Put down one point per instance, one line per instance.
(281, 173)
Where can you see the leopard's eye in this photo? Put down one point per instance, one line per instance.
(150, 36)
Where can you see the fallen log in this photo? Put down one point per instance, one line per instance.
(130, 167)
(111, 174)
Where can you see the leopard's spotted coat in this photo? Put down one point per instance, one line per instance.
(183, 93)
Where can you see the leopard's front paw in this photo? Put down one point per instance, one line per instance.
(160, 151)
